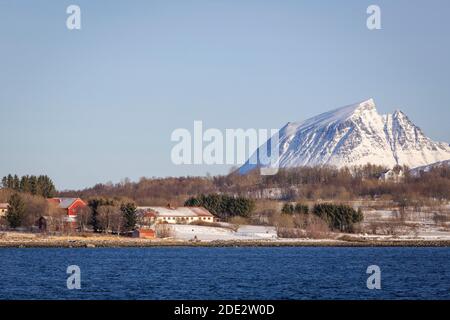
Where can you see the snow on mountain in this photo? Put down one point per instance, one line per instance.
(353, 135)
(416, 171)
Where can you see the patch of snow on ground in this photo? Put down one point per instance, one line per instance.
(205, 233)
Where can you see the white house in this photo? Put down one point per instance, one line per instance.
(3, 209)
(393, 175)
(175, 215)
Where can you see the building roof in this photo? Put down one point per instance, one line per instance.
(64, 203)
(177, 212)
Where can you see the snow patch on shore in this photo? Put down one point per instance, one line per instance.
(206, 233)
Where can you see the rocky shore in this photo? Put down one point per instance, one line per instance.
(18, 241)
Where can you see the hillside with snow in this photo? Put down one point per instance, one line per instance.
(353, 135)
(416, 171)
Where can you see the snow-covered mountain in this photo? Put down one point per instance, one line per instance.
(416, 171)
(353, 135)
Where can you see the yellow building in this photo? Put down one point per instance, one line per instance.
(175, 215)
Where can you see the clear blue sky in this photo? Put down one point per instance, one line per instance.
(99, 104)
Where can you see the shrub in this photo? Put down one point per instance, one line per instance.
(316, 228)
(290, 233)
(164, 230)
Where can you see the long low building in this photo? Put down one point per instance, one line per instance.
(175, 215)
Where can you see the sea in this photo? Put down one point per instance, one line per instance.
(202, 273)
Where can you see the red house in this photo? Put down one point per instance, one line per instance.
(71, 205)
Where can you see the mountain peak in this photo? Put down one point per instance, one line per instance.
(355, 134)
(399, 114)
(367, 104)
(339, 115)
(364, 105)
(356, 108)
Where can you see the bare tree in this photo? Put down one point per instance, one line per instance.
(57, 218)
(117, 220)
(164, 230)
(35, 208)
(107, 215)
(84, 215)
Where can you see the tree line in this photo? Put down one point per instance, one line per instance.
(223, 206)
(101, 214)
(338, 216)
(36, 185)
(307, 183)
(109, 215)
(25, 209)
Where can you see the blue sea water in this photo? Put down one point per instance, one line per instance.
(225, 273)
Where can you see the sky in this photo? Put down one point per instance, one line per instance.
(99, 104)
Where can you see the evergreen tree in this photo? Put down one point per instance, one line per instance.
(301, 208)
(192, 202)
(5, 182)
(129, 213)
(25, 184)
(16, 211)
(46, 187)
(358, 216)
(16, 183)
(33, 185)
(288, 208)
(10, 181)
(41, 185)
(223, 206)
(339, 217)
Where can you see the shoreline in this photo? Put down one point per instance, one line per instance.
(120, 243)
